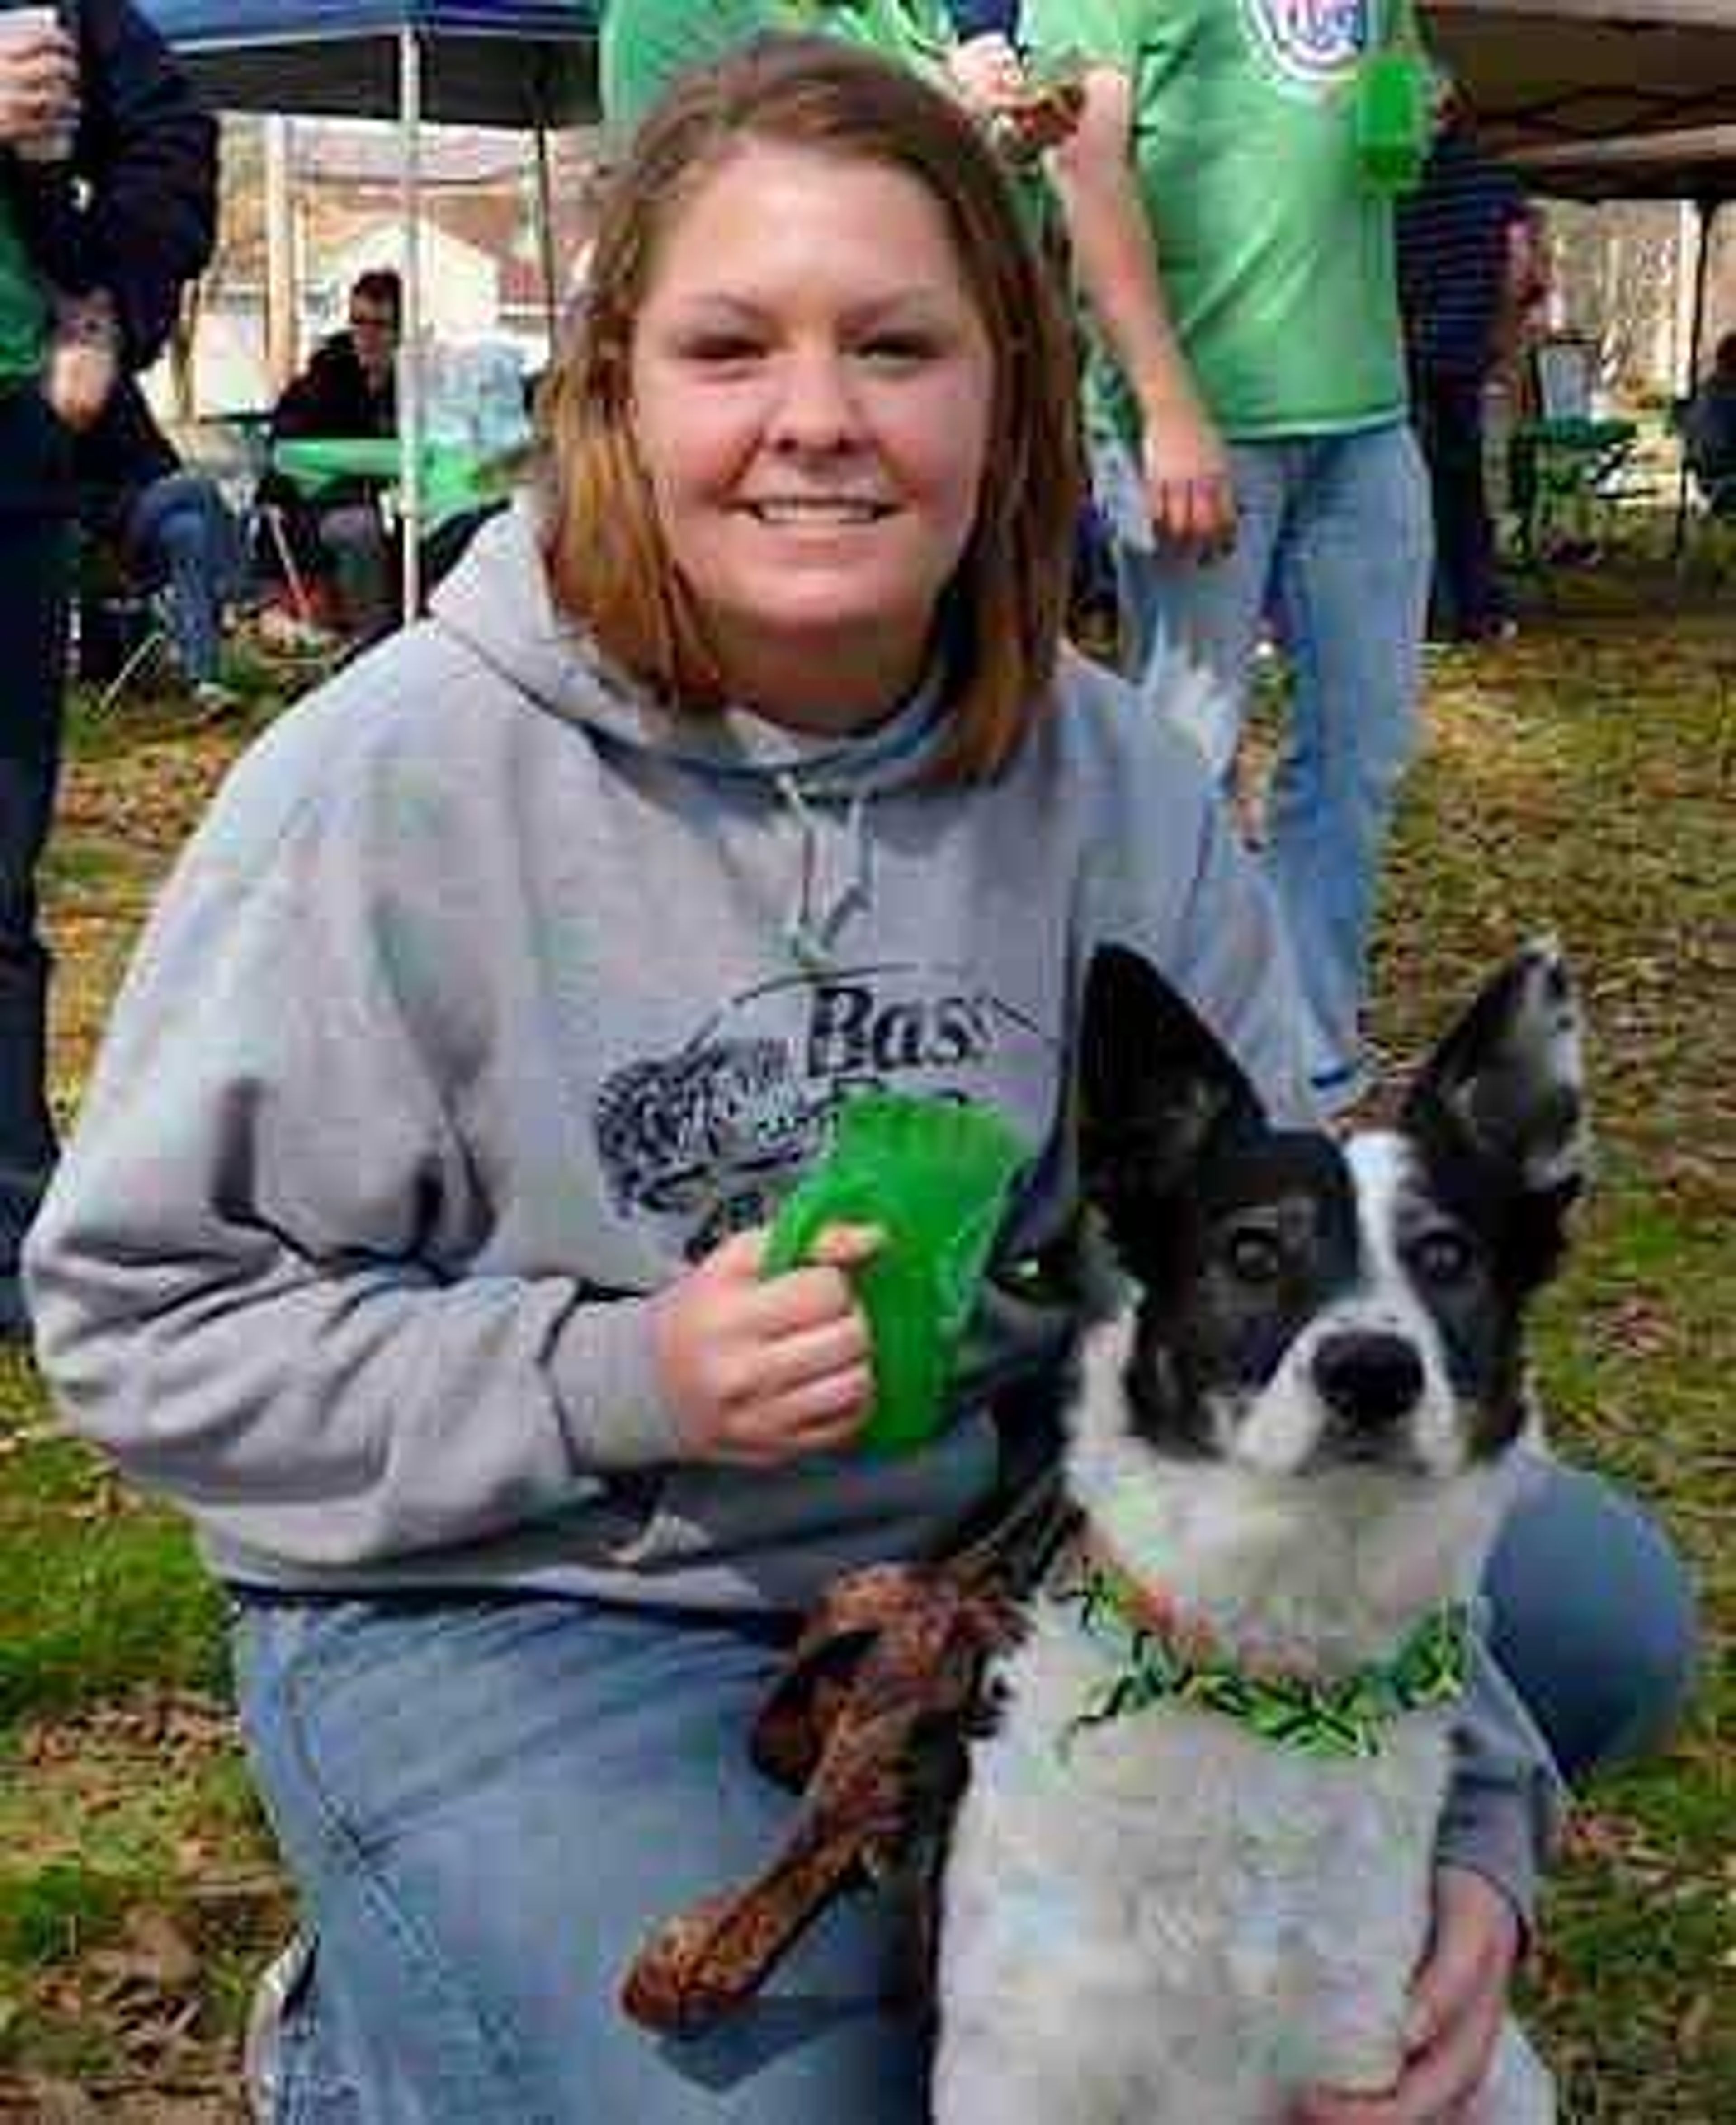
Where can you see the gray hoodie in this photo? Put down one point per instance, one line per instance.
(488, 996)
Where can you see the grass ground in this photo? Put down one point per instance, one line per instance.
(1584, 779)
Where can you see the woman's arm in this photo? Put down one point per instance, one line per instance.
(233, 1277)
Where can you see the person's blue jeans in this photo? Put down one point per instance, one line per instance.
(1593, 1621)
(487, 1802)
(1334, 544)
(179, 533)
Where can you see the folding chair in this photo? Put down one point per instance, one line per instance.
(1563, 376)
(1568, 465)
(119, 624)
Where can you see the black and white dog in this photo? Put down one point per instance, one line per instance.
(1191, 1873)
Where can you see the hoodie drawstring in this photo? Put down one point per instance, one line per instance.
(813, 923)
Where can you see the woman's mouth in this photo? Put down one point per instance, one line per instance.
(817, 512)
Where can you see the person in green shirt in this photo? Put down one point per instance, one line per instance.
(645, 43)
(1249, 397)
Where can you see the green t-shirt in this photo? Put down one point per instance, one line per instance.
(1276, 258)
(645, 43)
(23, 310)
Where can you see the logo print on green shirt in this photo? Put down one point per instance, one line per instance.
(1314, 42)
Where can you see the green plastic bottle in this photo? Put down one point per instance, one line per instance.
(934, 1175)
(1393, 121)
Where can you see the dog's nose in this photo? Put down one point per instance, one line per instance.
(1368, 1377)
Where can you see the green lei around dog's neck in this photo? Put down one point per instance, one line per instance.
(1342, 1719)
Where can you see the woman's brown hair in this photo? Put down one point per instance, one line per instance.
(609, 567)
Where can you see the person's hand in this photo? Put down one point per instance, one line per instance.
(39, 84)
(1025, 117)
(84, 363)
(78, 379)
(759, 1372)
(987, 74)
(1188, 488)
(1458, 2005)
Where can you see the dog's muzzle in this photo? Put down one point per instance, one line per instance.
(1370, 1380)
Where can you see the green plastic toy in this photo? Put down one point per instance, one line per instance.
(1393, 121)
(933, 1174)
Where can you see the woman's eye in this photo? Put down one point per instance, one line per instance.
(1443, 1256)
(722, 349)
(897, 350)
(1254, 1257)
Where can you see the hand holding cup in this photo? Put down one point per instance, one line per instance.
(39, 85)
(757, 1372)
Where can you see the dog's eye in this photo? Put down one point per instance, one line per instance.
(1442, 1255)
(1254, 1256)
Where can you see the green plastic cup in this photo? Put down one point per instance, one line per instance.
(1393, 121)
(934, 1175)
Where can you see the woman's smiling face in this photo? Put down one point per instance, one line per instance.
(812, 390)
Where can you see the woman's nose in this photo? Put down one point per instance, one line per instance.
(816, 406)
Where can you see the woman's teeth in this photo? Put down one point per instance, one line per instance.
(818, 512)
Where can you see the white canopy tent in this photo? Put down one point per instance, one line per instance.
(1605, 99)
(1539, 73)
(1696, 167)
(528, 63)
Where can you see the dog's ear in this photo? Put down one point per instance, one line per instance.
(1505, 1088)
(1156, 1085)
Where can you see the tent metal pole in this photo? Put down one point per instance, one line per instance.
(1706, 211)
(546, 236)
(410, 374)
(281, 261)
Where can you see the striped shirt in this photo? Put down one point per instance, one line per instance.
(1453, 257)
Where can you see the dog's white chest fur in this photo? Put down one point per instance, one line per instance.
(1163, 1919)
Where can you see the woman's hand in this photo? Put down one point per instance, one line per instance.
(1458, 2005)
(760, 1372)
(39, 84)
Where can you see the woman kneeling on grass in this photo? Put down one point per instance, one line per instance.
(411, 1237)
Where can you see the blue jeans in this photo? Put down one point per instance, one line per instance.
(487, 1802)
(1334, 544)
(179, 533)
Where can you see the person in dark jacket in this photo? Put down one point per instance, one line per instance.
(168, 529)
(336, 537)
(94, 248)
